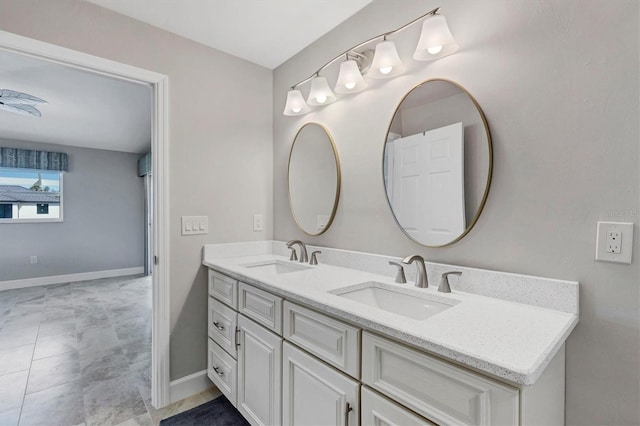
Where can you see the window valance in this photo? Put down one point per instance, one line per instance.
(14, 158)
(144, 165)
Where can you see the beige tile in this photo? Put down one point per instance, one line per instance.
(210, 394)
(175, 408)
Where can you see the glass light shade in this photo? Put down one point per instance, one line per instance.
(435, 41)
(349, 80)
(386, 62)
(320, 92)
(295, 104)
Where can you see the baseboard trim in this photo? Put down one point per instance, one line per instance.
(69, 278)
(187, 386)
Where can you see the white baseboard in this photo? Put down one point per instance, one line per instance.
(189, 385)
(61, 279)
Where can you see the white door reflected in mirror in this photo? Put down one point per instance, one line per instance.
(428, 170)
(437, 163)
(314, 179)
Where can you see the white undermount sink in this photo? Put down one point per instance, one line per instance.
(407, 302)
(276, 266)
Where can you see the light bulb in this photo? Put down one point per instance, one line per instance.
(321, 99)
(296, 109)
(434, 50)
(385, 70)
(349, 79)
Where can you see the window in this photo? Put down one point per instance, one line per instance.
(30, 195)
(6, 211)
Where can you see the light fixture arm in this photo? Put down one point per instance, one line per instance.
(353, 49)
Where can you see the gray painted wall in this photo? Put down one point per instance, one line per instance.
(103, 228)
(221, 153)
(558, 82)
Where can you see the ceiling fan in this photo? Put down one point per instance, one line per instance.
(20, 103)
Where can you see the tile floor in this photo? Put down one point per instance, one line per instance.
(80, 353)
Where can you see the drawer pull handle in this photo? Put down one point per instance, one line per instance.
(218, 372)
(347, 410)
(237, 337)
(218, 326)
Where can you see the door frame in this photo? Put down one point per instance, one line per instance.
(160, 175)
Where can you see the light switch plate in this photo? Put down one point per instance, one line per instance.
(195, 225)
(614, 242)
(257, 223)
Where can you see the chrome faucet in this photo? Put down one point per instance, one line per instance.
(304, 257)
(444, 281)
(421, 278)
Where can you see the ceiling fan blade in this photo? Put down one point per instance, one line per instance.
(21, 109)
(12, 97)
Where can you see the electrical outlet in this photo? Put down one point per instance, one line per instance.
(614, 242)
(257, 223)
(34, 260)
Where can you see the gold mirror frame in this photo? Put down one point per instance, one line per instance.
(338, 180)
(489, 171)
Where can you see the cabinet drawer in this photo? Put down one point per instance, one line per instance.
(378, 410)
(222, 325)
(222, 370)
(260, 306)
(442, 392)
(223, 288)
(333, 341)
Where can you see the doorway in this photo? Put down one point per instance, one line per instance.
(159, 183)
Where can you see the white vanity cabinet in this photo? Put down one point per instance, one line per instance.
(281, 363)
(259, 373)
(315, 394)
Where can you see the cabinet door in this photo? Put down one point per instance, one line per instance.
(259, 373)
(379, 411)
(315, 394)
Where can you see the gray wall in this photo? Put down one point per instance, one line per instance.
(220, 141)
(103, 228)
(558, 82)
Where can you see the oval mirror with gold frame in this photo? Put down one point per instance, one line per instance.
(313, 179)
(437, 163)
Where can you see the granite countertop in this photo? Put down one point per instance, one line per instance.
(508, 340)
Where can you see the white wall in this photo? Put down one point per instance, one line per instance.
(30, 211)
(558, 83)
(103, 225)
(220, 141)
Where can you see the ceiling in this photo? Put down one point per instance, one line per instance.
(93, 111)
(84, 109)
(265, 32)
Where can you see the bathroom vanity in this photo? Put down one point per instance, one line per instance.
(295, 344)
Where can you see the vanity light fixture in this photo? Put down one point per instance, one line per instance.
(435, 42)
(295, 103)
(349, 79)
(320, 92)
(386, 62)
